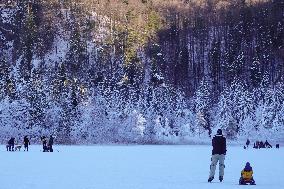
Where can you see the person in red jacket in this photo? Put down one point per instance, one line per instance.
(218, 154)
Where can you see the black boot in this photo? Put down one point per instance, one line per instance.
(210, 179)
(221, 178)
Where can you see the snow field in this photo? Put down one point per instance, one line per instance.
(135, 167)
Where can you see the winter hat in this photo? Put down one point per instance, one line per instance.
(248, 167)
(219, 132)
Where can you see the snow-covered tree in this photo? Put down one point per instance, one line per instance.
(203, 103)
(235, 104)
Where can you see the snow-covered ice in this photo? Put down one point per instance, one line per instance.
(135, 167)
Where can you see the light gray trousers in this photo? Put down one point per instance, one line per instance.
(214, 160)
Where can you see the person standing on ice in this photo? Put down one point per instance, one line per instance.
(247, 143)
(218, 154)
(11, 144)
(26, 143)
(50, 143)
(44, 143)
(267, 145)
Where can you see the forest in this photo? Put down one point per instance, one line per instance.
(141, 71)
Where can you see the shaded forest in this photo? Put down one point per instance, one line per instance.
(141, 71)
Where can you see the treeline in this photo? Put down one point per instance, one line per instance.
(144, 70)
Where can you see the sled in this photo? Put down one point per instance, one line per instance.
(247, 182)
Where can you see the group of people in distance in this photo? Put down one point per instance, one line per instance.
(259, 144)
(47, 144)
(218, 154)
(11, 146)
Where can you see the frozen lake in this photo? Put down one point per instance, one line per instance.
(135, 167)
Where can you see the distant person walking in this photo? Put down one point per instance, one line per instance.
(11, 144)
(50, 143)
(26, 143)
(247, 143)
(218, 154)
(44, 143)
(267, 145)
(261, 144)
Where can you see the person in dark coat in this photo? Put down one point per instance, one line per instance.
(11, 144)
(44, 143)
(50, 143)
(261, 144)
(254, 145)
(267, 145)
(26, 143)
(257, 144)
(218, 154)
(247, 143)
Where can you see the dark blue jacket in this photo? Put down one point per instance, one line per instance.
(219, 145)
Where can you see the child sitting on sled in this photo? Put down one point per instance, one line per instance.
(246, 175)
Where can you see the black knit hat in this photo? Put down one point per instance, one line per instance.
(219, 132)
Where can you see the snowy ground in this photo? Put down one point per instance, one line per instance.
(135, 167)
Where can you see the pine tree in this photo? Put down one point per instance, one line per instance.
(215, 63)
(4, 77)
(256, 74)
(76, 57)
(203, 103)
(38, 98)
(27, 40)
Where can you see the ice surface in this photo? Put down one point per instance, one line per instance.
(135, 167)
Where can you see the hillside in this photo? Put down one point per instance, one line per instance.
(141, 71)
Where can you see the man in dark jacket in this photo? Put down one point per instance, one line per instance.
(267, 145)
(247, 143)
(44, 143)
(218, 154)
(11, 144)
(26, 143)
(50, 143)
